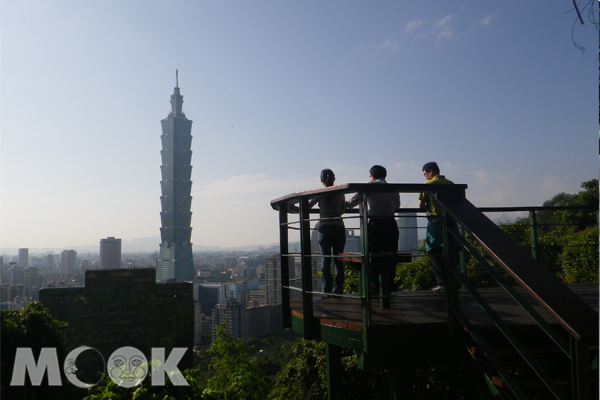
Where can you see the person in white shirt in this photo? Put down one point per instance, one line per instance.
(382, 230)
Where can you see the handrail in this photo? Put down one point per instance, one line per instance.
(441, 190)
(569, 310)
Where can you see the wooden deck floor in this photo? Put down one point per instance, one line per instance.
(425, 307)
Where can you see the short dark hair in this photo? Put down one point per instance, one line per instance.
(327, 177)
(378, 172)
(432, 167)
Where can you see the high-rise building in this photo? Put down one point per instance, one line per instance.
(24, 258)
(263, 320)
(50, 260)
(272, 280)
(68, 261)
(110, 253)
(408, 240)
(209, 295)
(273, 277)
(125, 307)
(175, 260)
(233, 314)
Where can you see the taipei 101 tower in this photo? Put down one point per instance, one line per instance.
(175, 259)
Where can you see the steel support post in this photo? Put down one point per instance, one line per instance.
(533, 234)
(306, 267)
(364, 279)
(285, 269)
(580, 369)
(400, 381)
(334, 372)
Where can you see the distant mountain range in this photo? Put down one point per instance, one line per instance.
(138, 245)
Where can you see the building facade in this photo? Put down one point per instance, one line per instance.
(110, 253)
(175, 260)
(408, 240)
(233, 314)
(24, 257)
(125, 307)
(68, 261)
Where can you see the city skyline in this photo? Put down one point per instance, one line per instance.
(497, 94)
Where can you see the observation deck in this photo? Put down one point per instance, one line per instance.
(528, 314)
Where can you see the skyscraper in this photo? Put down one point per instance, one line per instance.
(408, 240)
(175, 260)
(110, 253)
(68, 261)
(24, 257)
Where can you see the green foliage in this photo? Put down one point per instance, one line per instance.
(579, 257)
(415, 275)
(350, 278)
(273, 353)
(236, 373)
(449, 382)
(33, 327)
(109, 390)
(305, 376)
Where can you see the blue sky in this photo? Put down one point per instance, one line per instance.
(495, 92)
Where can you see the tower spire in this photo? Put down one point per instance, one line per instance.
(176, 97)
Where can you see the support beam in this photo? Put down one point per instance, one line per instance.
(334, 372)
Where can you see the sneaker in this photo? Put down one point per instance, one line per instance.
(439, 289)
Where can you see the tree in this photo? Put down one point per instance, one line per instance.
(109, 390)
(33, 327)
(236, 373)
(305, 376)
(591, 9)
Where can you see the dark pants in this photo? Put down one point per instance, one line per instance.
(332, 239)
(383, 238)
(438, 265)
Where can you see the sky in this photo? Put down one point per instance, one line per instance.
(495, 92)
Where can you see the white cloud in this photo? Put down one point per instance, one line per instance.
(237, 210)
(482, 176)
(390, 45)
(445, 34)
(412, 25)
(442, 21)
(486, 21)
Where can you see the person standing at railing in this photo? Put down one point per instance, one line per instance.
(332, 233)
(382, 230)
(434, 239)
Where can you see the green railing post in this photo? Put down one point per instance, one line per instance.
(334, 371)
(306, 267)
(533, 234)
(364, 278)
(462, 255)
(451, 281)
(400, 382)
(285, 266)
(580, 369)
